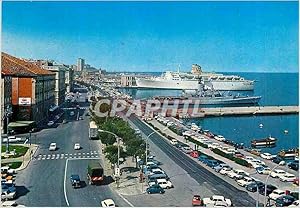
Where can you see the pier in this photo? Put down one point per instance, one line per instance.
(252, 110)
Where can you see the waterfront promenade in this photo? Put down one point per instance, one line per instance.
(232, 111)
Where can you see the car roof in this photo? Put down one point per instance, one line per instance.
(161, 180)
(218, 197)
(108, 201)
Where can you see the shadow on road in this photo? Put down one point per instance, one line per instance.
(21, 191)
(107, 180)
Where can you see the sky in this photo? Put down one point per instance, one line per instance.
(156, 36)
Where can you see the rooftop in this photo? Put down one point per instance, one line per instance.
(11, 65)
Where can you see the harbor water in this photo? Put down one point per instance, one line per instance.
(275, 89)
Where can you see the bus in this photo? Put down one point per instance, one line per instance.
(93, 130)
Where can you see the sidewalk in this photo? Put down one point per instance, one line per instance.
(25, 159)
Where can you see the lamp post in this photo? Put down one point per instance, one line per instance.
(147, 146)
(118, 144)
(7, 113)
(276, 166)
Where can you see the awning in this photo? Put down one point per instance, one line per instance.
(20, 124)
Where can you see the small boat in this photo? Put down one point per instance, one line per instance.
(289, 153)
(269, 141)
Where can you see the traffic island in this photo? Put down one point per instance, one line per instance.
(21, 162)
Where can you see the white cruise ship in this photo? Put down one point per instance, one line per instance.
(189, 81)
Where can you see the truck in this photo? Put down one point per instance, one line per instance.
(93, 130)
(95, 172)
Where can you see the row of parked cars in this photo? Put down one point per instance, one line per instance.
(9, 190)
(157, 178)
(243, 178)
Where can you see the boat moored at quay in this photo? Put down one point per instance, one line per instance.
(188, 81)
(269, 141)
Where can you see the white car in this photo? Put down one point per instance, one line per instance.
(263, 170)
(277, 172)
(219, 138)
(288, 177)
(108, 203)
(237, 174)
(213, 145)
(164, 183)
(157, 171)
(267, 156)
(276, 194)
(245, 181)
(77, 146)
(174, 141)
(6, 169)
(225, 170)
(12, 139)
(216, 198)
(7, 195)
(52, 147)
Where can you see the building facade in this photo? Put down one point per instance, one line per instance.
(32, 89)
(69, 79)
(60, 85)
(127, 81)
(6, 95)
(80, 64)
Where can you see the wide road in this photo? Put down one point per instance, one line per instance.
(196, 171)
(42, 182)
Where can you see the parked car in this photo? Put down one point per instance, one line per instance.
(252, 187)
(219, 138)
(284, 201)
(244, 181)
(267, 156)
(216, 198)
(295, 204)
(270, 189)
(276, 194)
(77, 146)
(263, 170)
(156, 171)
(197, 201)
(203, 158)
(164, 183)
(278, 159)
(194, 154)
(50, 123)
(212, 163)
(237, 174)
(8, 194)
(155, 189)
(174, 141)
(108, 203)
(294, 165)
(12, 139)
(277, 172)
(75, 181)
(220, 166)
(52, 147)
(288, 177)
(186, 149)
(225, 170)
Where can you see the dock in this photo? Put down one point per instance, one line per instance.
(251, 110)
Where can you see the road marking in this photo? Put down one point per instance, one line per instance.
(48, 157)
(83, 153)
(125, 200)
(57, 156)
(87, 153)
(53, 156)
(75, 153)
(92, 153)
(79, 153)
(66, 154)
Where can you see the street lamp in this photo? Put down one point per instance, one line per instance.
(118, 142)
(276, 166)
(147, 145)
(7, 113)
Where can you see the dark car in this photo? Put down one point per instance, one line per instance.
(294, 165)
(155, 189)
(75, 181)
(212, 163)
(203, 158)
(252, 187)
(270, 189)
(284, 201)
(277, 159)
(295, 195)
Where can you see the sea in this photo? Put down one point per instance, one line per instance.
(276, 89)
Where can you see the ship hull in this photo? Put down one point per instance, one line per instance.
(244, 85)
(213, 101)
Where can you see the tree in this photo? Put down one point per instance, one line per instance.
(106, 138)
(111, 153)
